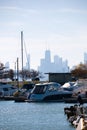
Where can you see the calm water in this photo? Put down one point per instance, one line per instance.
(33, 116)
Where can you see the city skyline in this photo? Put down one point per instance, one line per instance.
(47, 61)
(55, 66)
(57, 25)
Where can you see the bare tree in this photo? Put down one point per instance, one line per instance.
(80, 71)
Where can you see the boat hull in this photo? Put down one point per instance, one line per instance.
(49, 98)
(74, 100)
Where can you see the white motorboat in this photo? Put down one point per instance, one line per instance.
(48, 92)
(7, 89)
(70, 86)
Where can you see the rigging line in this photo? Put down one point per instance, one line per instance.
(26, 54)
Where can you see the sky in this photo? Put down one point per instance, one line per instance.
(57, 25)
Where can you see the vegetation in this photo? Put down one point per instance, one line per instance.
(25, 74)
(30, 74)
(5, 73)
(80, 71)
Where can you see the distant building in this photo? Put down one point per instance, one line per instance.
(27, 66)
(7, 66)
(60, 77)
(58, 65)
(28, 62)
(85, 58)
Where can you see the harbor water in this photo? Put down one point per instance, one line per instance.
(33, 116)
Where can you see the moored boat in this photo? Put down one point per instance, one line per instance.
(74, 100)
(22, 94)
(50, 91)
(7, 90)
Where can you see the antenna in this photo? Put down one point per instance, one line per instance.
(47, 46)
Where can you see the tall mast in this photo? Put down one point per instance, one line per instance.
(22, 51)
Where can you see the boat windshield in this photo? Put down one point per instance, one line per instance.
(39, 89)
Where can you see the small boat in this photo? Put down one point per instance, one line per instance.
(22, 94)
(70, 86)
(48, 92)
(7, 89)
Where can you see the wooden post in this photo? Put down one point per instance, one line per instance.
(18, 72)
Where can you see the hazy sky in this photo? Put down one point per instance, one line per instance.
(58, 25)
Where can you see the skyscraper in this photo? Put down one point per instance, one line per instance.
(47, 56)
(85, 58)
(58, 66)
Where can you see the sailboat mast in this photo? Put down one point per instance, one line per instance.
(22, 51)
